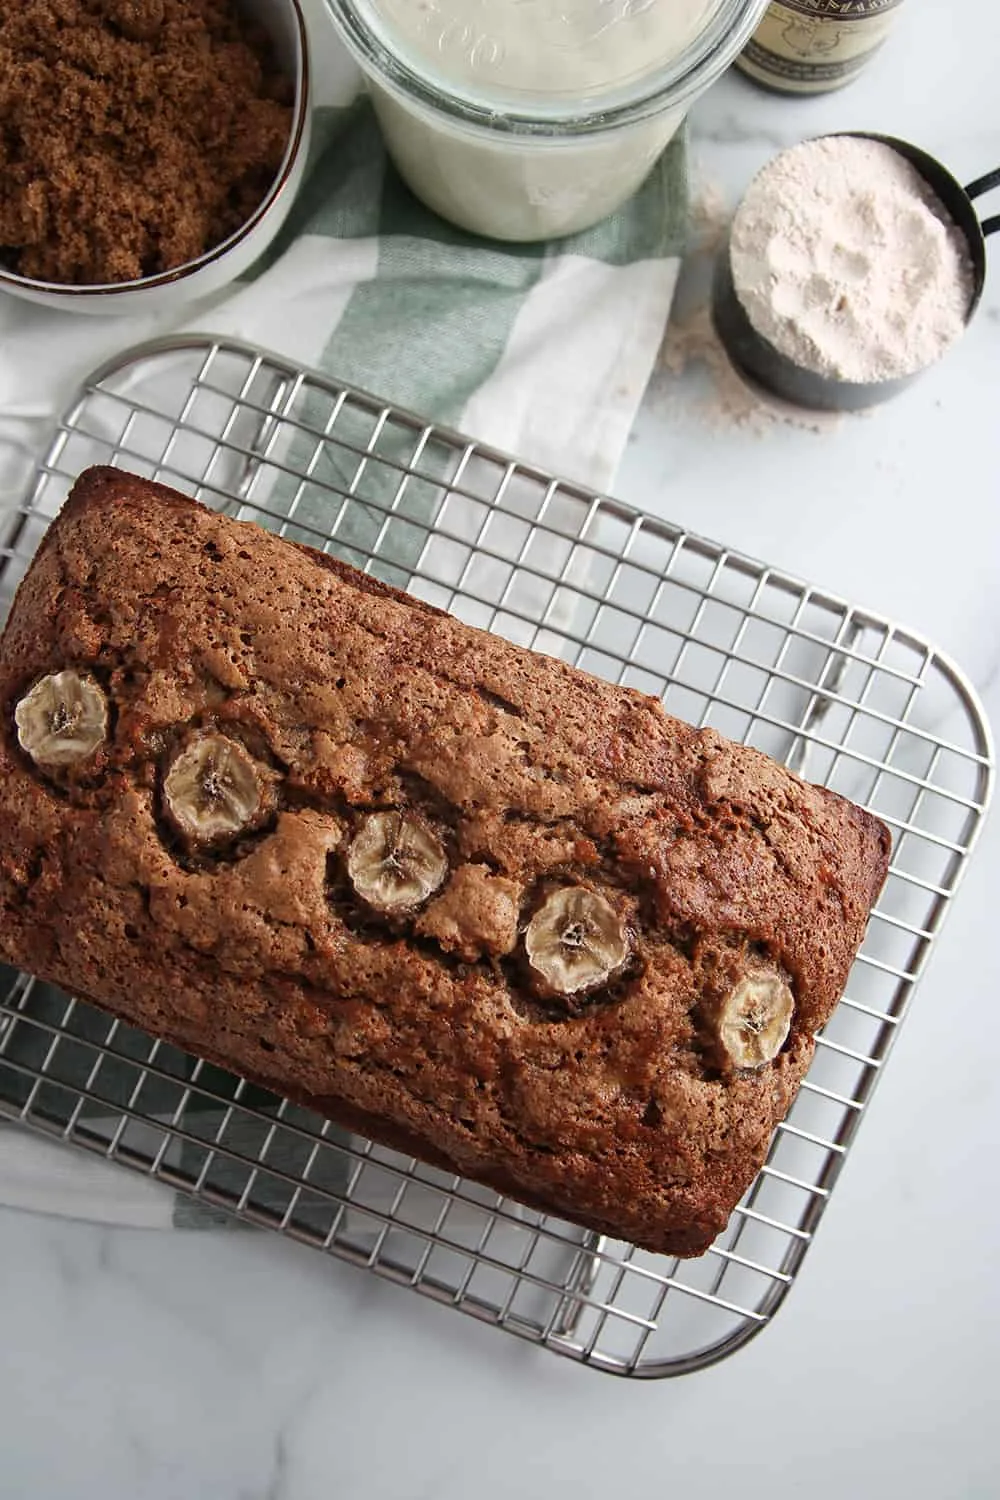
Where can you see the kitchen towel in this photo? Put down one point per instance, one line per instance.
(541, 350)
(544, 350)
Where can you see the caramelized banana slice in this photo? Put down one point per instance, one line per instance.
(395, 862)
(62, 720)
(212, 789)
(575, 941)
(755, 1020)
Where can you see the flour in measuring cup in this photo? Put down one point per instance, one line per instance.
(846, 262)
(568, 48)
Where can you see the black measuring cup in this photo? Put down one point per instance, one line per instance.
(758, 359)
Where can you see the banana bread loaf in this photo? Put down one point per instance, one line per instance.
(453, 894)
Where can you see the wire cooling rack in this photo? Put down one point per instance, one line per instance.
(850, 699)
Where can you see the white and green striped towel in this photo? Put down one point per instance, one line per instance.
(541, 350)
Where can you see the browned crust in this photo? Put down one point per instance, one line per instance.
(621, 1117)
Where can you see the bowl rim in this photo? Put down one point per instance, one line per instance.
(67, 290)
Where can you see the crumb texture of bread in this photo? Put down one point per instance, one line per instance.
(426, 1028)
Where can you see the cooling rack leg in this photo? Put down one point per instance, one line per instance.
(580, 1283)
(821, 700)
(257, 448)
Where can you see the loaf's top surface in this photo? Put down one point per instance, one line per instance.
(418, 816)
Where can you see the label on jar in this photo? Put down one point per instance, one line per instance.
(809, 46)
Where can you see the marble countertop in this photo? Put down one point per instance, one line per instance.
(146, 1366)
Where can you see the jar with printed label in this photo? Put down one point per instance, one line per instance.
(813, 46)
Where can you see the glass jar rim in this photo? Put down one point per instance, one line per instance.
(666, 87)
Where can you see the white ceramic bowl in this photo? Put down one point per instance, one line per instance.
(284, 22)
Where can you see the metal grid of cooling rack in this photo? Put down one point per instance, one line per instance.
(852, 700)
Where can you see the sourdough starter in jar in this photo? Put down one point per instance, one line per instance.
(525, 119)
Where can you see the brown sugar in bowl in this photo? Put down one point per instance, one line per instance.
(160, 229)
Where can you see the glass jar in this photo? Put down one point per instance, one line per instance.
(813, 46)
(530, 119)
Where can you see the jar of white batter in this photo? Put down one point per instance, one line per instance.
(530, 119)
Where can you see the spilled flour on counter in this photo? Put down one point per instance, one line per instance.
(733, 401)
(691, 343)
(710, 216)
(846, 261)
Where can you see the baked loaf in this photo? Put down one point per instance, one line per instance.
(453, 894)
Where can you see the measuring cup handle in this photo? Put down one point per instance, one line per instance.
(983, 185)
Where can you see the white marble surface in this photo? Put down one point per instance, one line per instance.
(150, 1366)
